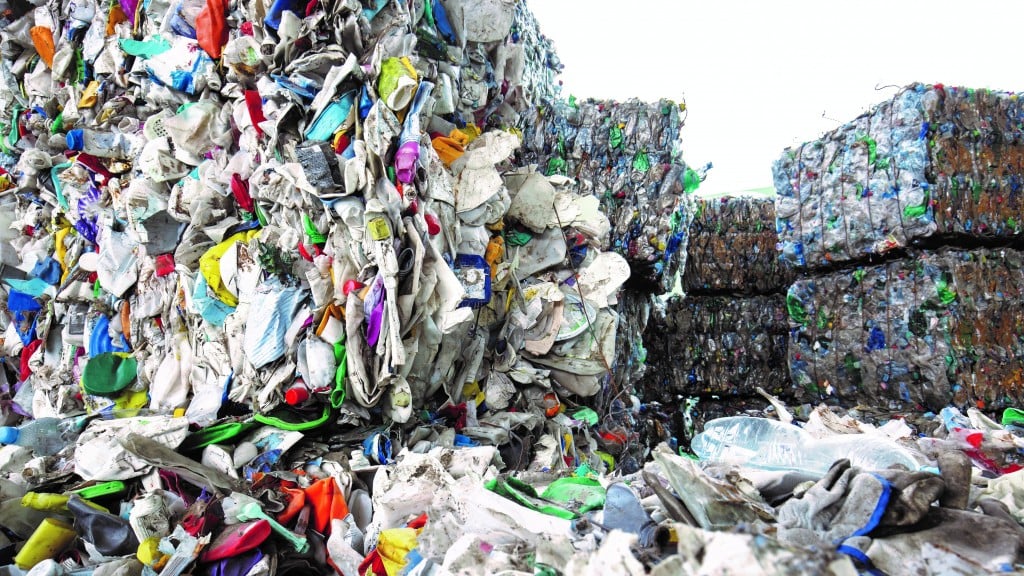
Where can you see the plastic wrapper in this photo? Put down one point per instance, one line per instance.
(628, 155)
(718, 346)
(913, 334)
(931, 161)
(732, 248)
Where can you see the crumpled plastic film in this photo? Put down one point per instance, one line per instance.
(732, 248)
(628, 155)
(912, 334)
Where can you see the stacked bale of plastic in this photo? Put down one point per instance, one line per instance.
(859, 190)
(732, 247)
(721, 345)
(871, 212)
(976, 168)
(628, 155)
(912, 334)
(930, 161)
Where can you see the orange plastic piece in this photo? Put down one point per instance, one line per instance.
(447, 149)
(42, 39)
(328, 503)
(211, 27)
(296, 500)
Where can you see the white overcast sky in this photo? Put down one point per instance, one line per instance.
(758, 76)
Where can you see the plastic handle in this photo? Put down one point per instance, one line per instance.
(252, 511)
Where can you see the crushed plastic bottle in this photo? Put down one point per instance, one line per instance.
(44, 436)
(773, 445)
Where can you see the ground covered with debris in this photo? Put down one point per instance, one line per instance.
(354, 288)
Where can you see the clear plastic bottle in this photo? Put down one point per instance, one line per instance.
(44, 436)
(773, 445)
(101, 144)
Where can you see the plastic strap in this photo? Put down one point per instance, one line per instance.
(862, 559)
(876, 515)
(872, 523)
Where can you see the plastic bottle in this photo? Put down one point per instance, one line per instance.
(44, 436)
(773, 445)
(102, 144)
(52, 536)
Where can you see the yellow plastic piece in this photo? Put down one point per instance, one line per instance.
(394, 546)
(209, 266)
(51, 502)
(149, 553)
(49, 539)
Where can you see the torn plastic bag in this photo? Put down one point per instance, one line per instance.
(99, 454)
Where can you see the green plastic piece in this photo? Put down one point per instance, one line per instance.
(216, 434)
(614, 137)
(796, 310)
(641, 163)
(1013, 417)
(101, 490)
(314, 235)
(517, 238)
(580, 494)
(278, 422)
(522, 493)
(691, 181)
(337, 396)
(587, 415)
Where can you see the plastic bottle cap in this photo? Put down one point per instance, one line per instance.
(75, 139)
(433, 224)
(296, 395)
(9, 434)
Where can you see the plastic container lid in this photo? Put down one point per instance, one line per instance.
(75, 139)
(296, 395)
(9, 434)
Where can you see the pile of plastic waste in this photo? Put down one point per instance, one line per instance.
(266, 264)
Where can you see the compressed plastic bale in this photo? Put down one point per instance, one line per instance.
(627, 155)
(718, 345)
(911, 334)
(977, 162)
(732, 247)
(931, 161)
